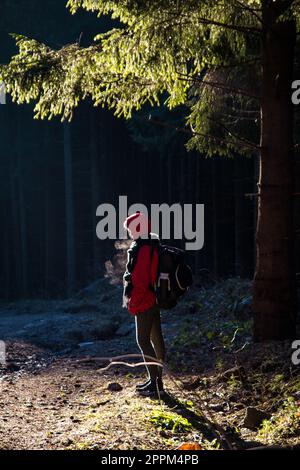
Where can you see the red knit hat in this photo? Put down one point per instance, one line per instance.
(138, 223)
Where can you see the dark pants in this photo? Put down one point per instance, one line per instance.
(150, 339)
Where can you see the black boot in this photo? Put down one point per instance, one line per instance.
(154, 388)
(140, 386)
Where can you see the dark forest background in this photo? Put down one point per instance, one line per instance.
(53, 176)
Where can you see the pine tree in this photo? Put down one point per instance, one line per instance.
(231, 62)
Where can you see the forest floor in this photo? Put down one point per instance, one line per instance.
(223, 391)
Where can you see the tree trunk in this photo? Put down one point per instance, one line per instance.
(198, 254)
(15, 236)
(94, 187)
(255, 201)
(239, 213)
(215, 214)
(241, 219)
(274, 303)
(170, 162)
(23, 237)
(69, 204)
(49, 212)
(7, 252)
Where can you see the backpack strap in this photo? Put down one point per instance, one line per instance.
(154, 246)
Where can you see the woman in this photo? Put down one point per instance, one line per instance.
(139, 297)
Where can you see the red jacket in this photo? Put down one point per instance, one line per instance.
(143, 276)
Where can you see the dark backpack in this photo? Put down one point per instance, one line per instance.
(174, 276)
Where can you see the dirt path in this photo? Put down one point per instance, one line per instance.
(60, 403)
(66, 406)
(49, 400)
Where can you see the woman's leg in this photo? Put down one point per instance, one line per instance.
(144, 322)
(157, 338)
